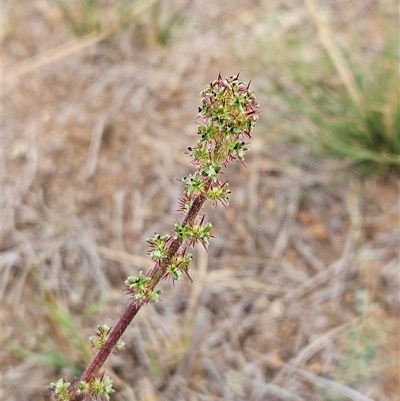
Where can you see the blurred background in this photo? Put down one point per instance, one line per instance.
(298, 296)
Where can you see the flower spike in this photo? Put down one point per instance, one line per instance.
(226, 117)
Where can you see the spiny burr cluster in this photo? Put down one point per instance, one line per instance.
(227, 116)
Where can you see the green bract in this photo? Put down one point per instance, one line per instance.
(101, 337)
(60, 389)
(101, 386)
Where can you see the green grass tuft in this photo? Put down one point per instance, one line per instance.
(366, 133)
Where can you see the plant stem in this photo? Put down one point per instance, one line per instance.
(130, 312)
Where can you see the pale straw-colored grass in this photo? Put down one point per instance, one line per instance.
(303, 260)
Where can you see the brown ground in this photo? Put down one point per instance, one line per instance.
(298, 297)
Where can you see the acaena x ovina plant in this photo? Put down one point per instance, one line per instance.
(227, 114)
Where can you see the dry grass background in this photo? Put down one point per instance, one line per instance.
(298, 297)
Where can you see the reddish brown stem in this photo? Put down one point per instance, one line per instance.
(156, 275)
(109, 345)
